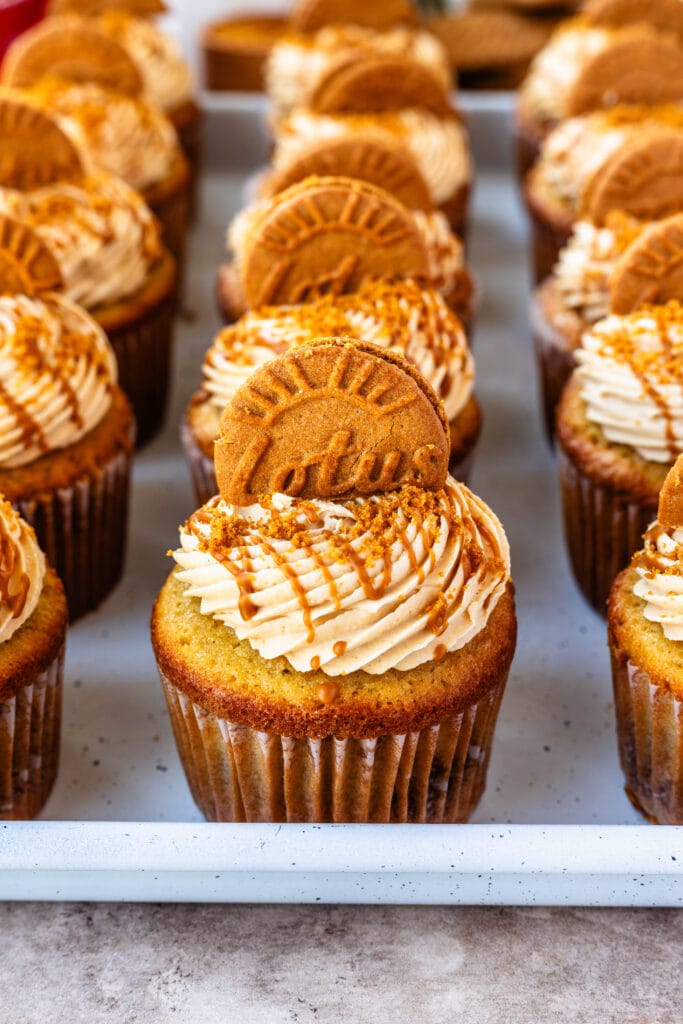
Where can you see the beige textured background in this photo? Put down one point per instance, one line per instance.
(139, 964)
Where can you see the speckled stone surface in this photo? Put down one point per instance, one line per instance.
(149, 964)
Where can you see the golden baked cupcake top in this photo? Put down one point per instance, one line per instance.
(57, 374)
(659, 565)
(123, 135)
(401, 315)
(101, 233)
(630, 376)
(338, 540)
(22, 571)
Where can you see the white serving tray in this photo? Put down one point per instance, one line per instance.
(554, 825)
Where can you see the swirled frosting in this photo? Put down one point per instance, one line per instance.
(167, 81)
(580, 146)
(631, 379)
(386, 582)
(102, 234)
(22, 571)
(660, 578)
(296, 63)
(123, 135)
(583, 270)
(400, 315)
(57, 371)
(438, 146)
(446, 258)
(556, 67)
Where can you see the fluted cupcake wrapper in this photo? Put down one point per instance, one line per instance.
(235, 773)
(143, 352)
(546, 242)
(173, 213)
(203, 473)
(555, 366)
(82, 530)
(650, 734)
(29, 743)
(602, 530)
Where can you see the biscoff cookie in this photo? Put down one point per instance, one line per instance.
(35, 151)
(361, 83)
(341, 393)
(650, 272)
(91, 8)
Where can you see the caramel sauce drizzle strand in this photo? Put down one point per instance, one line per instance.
(8, 573)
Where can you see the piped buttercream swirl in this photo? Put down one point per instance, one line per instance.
(57, 372)
(660, 578)
(103, 236)
(400, 315)
(557, 66)
(22, 571)
(372, 584)
(123, 135)
(439, 146)
(297, 63)
(630, 374)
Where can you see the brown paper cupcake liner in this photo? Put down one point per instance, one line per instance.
(555, 366)
(203, 473)
(235, 773)
(650, 735)
(173, 213)
(602, 530)
(82, 530)
(143, 352)
(546, 242)
(29, 743)
(188, 126)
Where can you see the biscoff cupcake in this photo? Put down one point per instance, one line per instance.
(298, 61)
(33, 621)
(608, 160)
(619, 429)
(67, 435)
(130, 138)
(115, 49)
(329, 234)
(336, 649)
(645, 622)
(353, 101)
(400, 315)
(612, 53)
(106, 244)
(594, 276)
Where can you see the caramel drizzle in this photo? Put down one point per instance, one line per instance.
(9, 563)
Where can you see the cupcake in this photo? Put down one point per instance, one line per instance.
(593, 278)
(619, 429)
(111, 261)
(67, 430)
(645, 622)
(400, 315)
(128, 137)
(117, 50)
(612, 53)
(336, 648)
(298, 62)
(33, 623)
(319, 224)
(601, 162)
(353, 100)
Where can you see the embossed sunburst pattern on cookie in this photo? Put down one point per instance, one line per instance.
(643, 178)
(373, 160)
(651, 269)
(326, 236)
(34, 150)
(27, 265)
(73, 48)
(335, 418)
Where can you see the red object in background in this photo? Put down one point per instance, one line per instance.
(16, 16)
